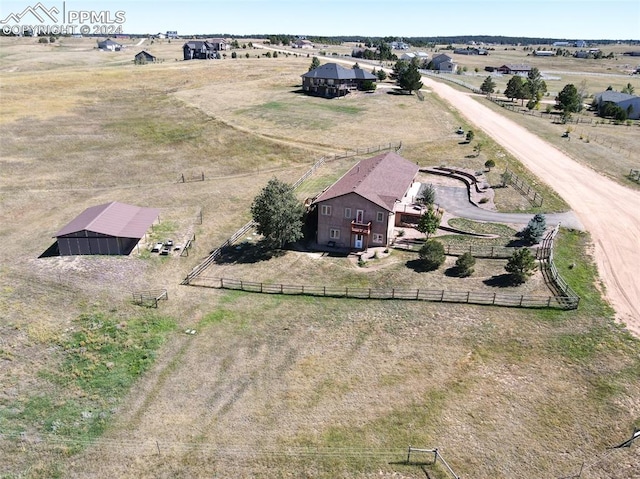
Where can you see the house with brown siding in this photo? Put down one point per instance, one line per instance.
(332, 80)
(359, 210)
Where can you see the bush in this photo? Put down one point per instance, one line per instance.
(534, 231)
(470, 136)
(432, 255)
(465, 264)
(521, 265)
(489, 164)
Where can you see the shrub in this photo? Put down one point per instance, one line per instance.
(521, 265)
(465, 264)
(533, 232)
(489, 164)
(432, 255)
(470, 136)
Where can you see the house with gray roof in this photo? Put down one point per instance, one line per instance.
(199, 50)
(109, 45)
(629, 103)
(359, 210)
(332, 80)
(514, 69)
(108, 229)
(443, 63)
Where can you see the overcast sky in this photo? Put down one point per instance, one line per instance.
(566, 19)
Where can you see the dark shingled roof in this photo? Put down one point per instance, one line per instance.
(113, 219)
(336, 72)
(382, 180)
(613, 96)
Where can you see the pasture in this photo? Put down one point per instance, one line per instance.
(94, 386)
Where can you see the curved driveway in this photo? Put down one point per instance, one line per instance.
(455, 200)
(608, 210)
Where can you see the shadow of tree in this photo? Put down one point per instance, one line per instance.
(419, 266)
(505, 280)
(245, 253)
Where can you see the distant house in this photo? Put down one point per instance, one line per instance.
(399, 45)
(302, 43)
(470, 51)
(199, 50)
(332, 80)
(161, 35)
(172, 34)
(544, 53)
(444, 63)
(630, 103)
(360, 209)
(422, 57)
(581, 44)
(144, 57)
(108, 229)
(219, 44)
(514, 69)
(109, 45)
(560, 44)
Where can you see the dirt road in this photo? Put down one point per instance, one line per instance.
(609, 211)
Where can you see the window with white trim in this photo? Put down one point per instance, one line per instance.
(380, 216)
(377, 238)
(325, 210)
(347, 212)
(334, 233)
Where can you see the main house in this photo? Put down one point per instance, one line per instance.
(332, 80)
(361, 209)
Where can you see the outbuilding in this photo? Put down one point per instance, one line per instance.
(108, 229)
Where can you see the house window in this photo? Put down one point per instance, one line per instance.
(347, 212)
(377, 238)
(380, 216)
(325, 210)
(334, 233)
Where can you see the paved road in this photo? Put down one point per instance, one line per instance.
(455, 200)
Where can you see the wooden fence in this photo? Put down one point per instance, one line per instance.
(493, 252)
(433, 295)
(436, 456)
(532, 195)
(551, 274)
(191, 178)
(149, 298)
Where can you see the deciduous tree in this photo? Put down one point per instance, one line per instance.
(429, 221)
(278, 213)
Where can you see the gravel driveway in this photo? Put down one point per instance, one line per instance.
(609, 211)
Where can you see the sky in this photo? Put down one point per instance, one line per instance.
(562, 19)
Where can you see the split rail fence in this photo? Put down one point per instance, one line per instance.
(436, 456)
(149, 298)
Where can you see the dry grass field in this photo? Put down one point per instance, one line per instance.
(94, 386)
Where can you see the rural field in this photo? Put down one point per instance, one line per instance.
(218, 383)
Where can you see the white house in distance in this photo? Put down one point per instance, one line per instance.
(422, 57)
(302, 43)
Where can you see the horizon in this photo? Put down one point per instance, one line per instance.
(534, 19)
